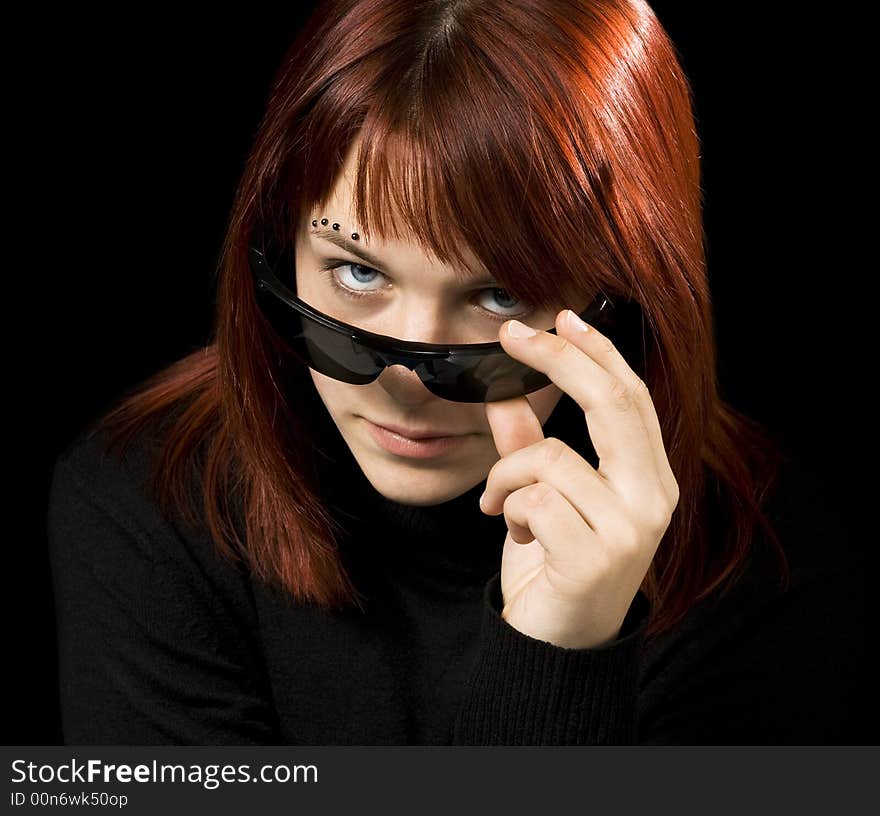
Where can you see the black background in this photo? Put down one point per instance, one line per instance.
(132, 137)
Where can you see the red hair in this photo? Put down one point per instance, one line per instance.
(556, 141)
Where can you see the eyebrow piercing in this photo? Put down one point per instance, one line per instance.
(354, 235)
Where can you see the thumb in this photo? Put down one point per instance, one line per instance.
(514, 424)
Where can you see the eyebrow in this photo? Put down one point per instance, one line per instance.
(344, 242)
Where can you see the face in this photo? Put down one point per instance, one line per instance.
(404, 293)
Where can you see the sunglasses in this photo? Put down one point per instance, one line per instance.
(469, 372)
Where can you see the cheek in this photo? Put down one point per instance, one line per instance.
(343, 401)
(544, 400)
(332, 392)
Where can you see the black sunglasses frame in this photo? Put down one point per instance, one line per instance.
(386, 351)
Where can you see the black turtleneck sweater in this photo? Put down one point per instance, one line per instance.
(163, 641)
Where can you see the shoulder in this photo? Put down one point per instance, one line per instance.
(824, 557)
(767, 659)
(102, 497)
(89, 464)
(88, 471)
(812, 521)
(158, 635)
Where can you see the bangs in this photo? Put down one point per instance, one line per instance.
(402, 193)
(457, 176)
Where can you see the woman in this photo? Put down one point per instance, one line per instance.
(242, 554)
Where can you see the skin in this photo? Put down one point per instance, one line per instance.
(427, 303)
(580, 539)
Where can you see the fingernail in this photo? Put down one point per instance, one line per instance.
(575, 322)
(481, 500)
(517, 329)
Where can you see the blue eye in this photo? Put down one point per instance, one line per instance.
(358, 276)
(505, 297)
(361, 274)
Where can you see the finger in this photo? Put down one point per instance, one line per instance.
(571, 548)
(553, 463)
(613, 421)
(606, 354)
(514, 424)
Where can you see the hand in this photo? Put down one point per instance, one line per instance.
(580, 539)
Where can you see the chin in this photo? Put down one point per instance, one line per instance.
(417, 486)
(419, 482)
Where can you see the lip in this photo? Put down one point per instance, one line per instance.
(421, 448)
(411, 433)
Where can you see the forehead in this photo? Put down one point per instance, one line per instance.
(404, 250)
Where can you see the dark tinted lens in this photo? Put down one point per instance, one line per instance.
(460, 377)
(327, 351)
(498, 376)
(480, 379)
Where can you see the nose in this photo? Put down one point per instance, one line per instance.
(424, 329)
(434, 321)
(404, 386)
(391, 359)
